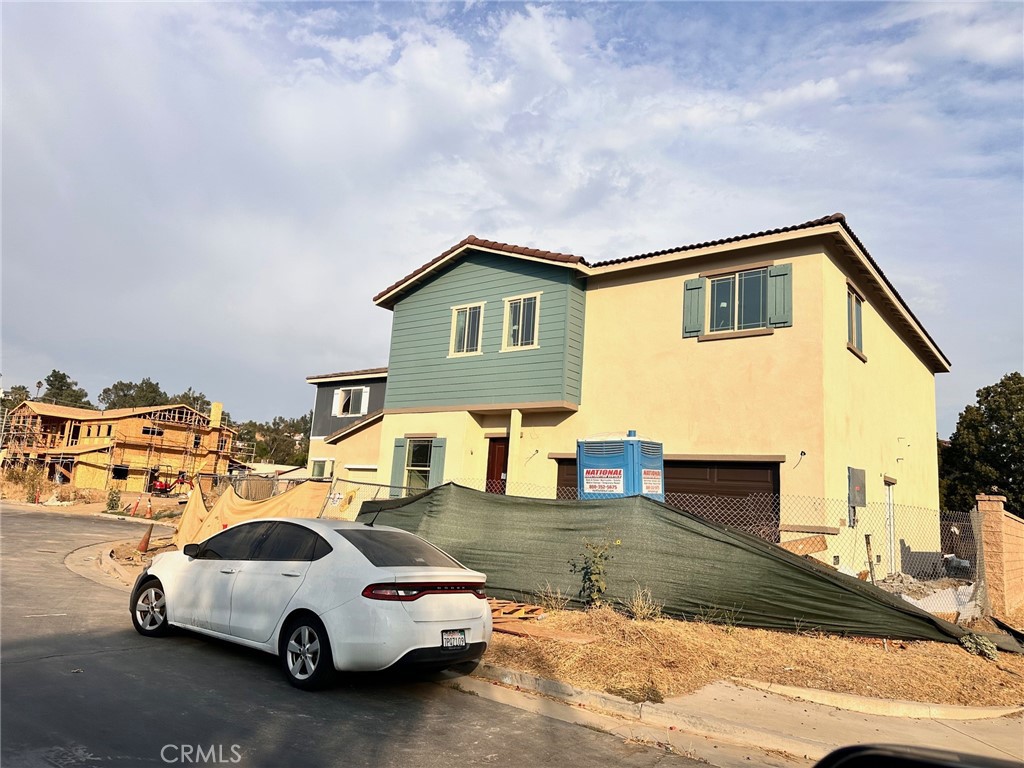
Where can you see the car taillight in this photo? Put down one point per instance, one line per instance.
(407, 592)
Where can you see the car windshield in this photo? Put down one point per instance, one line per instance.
(396, 548)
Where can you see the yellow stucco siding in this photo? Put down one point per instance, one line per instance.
(360, 449)
(760, 395)
(881, 413)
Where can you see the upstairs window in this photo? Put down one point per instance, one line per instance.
(521, 316)
(739, 302)
(351, 401)
(854, 321)
(153, 431)
(467, 325)
(728, 303)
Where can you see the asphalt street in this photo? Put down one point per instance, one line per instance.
(80, 687)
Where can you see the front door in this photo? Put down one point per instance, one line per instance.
(497, 465)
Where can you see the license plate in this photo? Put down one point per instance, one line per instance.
(453, 638)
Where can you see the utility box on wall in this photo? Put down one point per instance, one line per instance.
(623, 467)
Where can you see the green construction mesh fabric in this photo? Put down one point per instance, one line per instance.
(694, 568)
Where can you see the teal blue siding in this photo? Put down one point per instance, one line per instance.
(420, 373)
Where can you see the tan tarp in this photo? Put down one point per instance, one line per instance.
(304, 500)
(192, 519)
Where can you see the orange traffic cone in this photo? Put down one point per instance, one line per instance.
(136, 507)
(149, 508)
(144, 544)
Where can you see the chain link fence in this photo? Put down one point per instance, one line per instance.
(930, 558)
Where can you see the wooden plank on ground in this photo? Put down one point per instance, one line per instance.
(534, 630)
(806, 546)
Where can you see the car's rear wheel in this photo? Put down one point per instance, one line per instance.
(149, 609)
(305, 653)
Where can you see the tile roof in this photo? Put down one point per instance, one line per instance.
(473, 240)
(834, 218)
(349, 374)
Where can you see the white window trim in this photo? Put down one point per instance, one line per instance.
(480, 337)
(504, 325)
(336, 404)
(328, 466)
(361, 467)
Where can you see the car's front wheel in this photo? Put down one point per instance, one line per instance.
(149, 609)
(305, 653)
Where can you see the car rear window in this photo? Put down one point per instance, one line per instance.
(396, 548)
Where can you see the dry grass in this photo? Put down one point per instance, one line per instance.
(669, 658)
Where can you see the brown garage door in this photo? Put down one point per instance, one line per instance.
(721, 478)
(736, 493)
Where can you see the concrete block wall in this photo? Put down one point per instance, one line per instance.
(1002, 539)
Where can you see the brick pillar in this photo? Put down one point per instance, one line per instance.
(991, 540)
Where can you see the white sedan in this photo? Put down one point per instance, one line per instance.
(323, 595)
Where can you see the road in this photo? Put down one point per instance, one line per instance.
(80, 687)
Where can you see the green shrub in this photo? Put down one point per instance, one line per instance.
(113, 500)
(591, 565)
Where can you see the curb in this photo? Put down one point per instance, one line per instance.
(917, 710)
(664, 717)
(107, 563)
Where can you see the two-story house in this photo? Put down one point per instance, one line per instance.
(125, 448)
(347, 410)
(781, 362)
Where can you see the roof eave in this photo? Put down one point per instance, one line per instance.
(390, 297)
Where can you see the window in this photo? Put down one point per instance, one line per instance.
(322, 468)
(235, 543)
(854, 321)
(197, 440)
(752, 301)
(467, 324)
(351, 401)
(109, 429)
(119, 472)
(387, 549)
(739, 302)
(288, 542)
(222, 443)
(521, 316)
(88, 431)
(155, 431)
(417, 465)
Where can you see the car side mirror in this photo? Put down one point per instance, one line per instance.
(191, 550)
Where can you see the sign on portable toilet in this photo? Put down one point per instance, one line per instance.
(617, 467)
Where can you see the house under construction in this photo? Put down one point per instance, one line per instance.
(131, 449)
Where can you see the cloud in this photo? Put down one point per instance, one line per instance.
(236, 182)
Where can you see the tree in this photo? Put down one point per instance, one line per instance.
(61, 389)
(15, 396)
(279, 441)
(192, 399)
(128, 394)
(986, 452)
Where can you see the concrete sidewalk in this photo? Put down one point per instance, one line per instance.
(759, 724)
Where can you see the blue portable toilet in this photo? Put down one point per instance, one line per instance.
(608, 469)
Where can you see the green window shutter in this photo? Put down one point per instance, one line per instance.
(693, 307)
(398, 468)
(780, 296)
(436, 462)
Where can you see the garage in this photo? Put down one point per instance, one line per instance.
(742, 494)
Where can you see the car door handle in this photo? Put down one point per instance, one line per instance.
(229, 570)
(290, 573)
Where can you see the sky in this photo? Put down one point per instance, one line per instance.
(209, 195)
